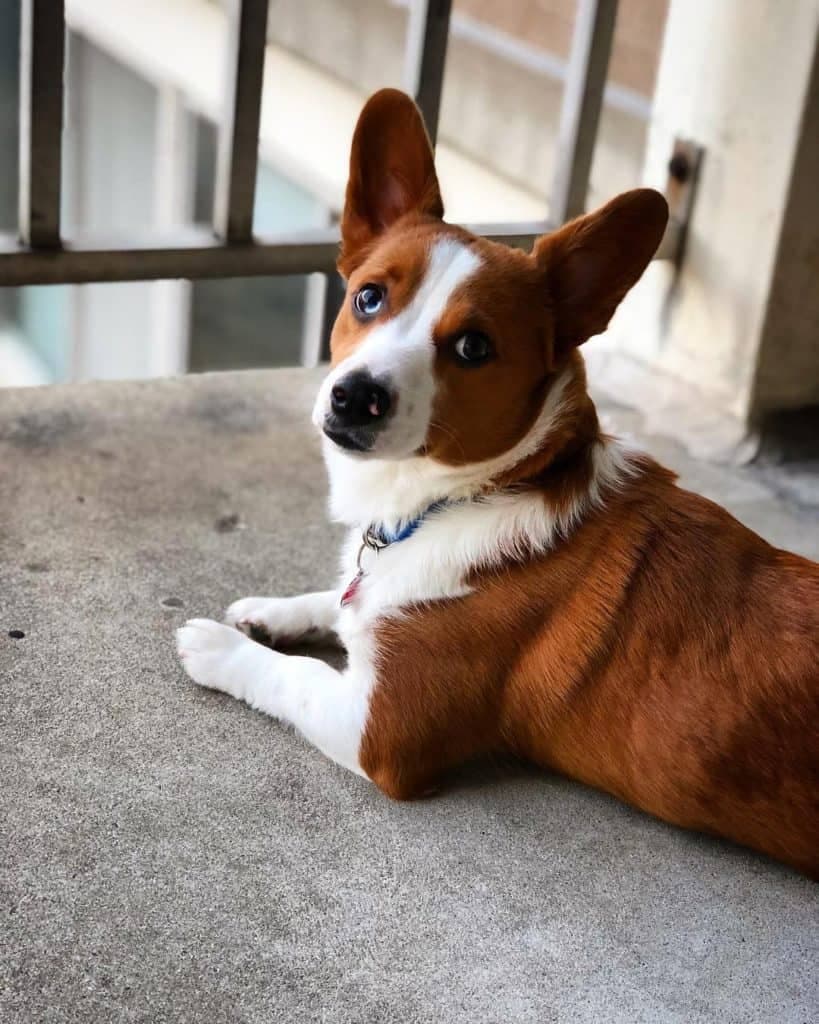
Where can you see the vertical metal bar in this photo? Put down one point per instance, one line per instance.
(580, 111)
(237, 154)
(425, 57)
(42, 54)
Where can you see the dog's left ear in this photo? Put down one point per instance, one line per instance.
(392, 172)
(590, 263)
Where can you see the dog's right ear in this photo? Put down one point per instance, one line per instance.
(591, 262)
(392, 173)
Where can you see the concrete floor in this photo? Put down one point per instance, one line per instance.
(169, 855)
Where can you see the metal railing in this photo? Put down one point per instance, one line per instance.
(40, 254)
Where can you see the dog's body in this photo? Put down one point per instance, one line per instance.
(528, 585)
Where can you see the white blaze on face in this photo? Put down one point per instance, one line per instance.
(402, 350)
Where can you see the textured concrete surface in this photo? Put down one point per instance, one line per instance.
(168, 855)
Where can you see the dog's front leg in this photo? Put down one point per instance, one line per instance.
(328, 707)
(287, 620)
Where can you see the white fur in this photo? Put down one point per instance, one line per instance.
(311, 616)
(402, 349)
(329, 707)
(481, 533)
(363, 491)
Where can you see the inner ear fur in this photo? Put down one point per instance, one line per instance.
(392, 173)
(592, 262)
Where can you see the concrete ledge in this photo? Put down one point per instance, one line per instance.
(168, 855)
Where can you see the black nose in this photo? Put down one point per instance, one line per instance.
(358, 400)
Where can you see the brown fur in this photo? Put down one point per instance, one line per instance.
(662, 652)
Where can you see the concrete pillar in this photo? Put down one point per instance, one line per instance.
(787, 373)
(735, 332)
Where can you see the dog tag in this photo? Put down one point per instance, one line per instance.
(352, 588)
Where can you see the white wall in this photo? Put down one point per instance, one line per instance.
(733, 76)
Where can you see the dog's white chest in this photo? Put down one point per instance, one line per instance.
(383, 582)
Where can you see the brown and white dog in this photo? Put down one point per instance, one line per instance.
(525, 584)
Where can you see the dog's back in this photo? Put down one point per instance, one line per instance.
(694, 687)
(665, 653)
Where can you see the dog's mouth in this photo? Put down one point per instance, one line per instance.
(352, 439)
(377, 440)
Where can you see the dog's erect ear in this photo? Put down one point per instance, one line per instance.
(590, 263)
(391, 173)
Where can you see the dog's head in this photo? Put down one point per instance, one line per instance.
(447, 344)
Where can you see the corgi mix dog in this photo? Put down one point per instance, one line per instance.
(515, 580)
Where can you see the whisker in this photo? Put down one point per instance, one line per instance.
(449, 433)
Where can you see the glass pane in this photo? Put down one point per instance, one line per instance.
(258, 321)
(344, 50)
(623, 133)
(9, 93)
(15, 361)
(241, 323)
(503, 91)
(359, 42)
(324, 58)
(35, 336)
(44, 321)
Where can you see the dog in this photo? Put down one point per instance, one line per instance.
(515, 580)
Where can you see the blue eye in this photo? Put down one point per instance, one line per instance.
(368, 301)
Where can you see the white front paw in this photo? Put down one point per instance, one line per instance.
(211, 654)
(275, 620)
(249, 611)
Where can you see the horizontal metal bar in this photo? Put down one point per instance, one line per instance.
(237, 155)
(188, 253)
(194, 253)
(580, 111)
(42, 54)
(425, 57)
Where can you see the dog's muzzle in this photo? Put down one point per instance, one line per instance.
(360, 406)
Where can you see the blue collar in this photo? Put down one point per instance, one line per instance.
(378, 536)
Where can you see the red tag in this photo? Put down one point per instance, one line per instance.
(352, 588)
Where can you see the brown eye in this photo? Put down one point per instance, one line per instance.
(368, 301)
(473, 348)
